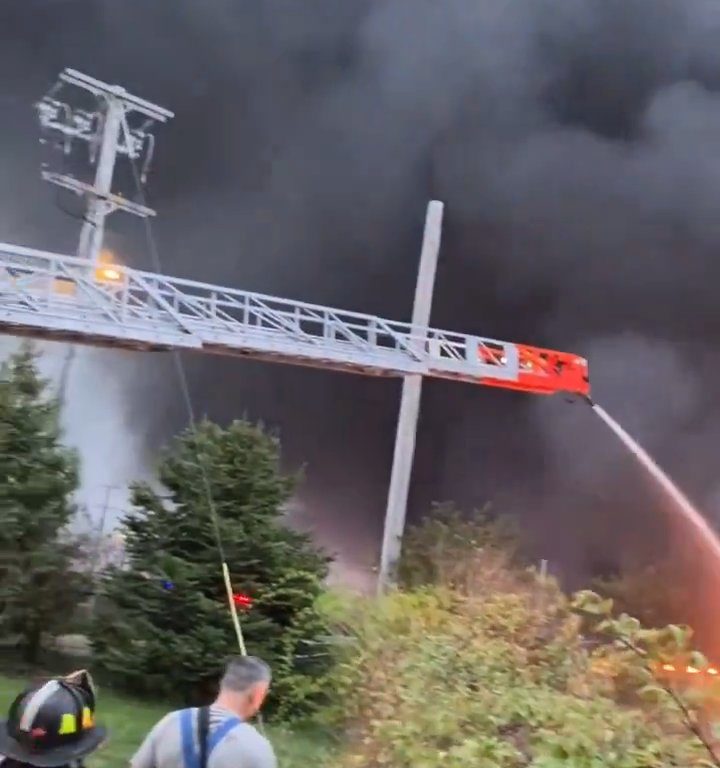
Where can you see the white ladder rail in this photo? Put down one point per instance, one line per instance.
(150, 311)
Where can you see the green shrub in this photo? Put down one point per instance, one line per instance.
(470, 554)
(438, 679)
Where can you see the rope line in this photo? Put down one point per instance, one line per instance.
(185, 389)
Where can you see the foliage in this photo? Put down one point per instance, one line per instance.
(442, 679)
(173, 641)
(652, 593)
(39, 588)
(495, 668)
(465, 553)
(638, 658)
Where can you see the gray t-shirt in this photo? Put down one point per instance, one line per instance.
(242, 747)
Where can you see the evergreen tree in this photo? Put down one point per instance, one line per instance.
(38, 587)
(164, 627)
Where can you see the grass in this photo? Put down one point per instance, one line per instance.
(129, 720)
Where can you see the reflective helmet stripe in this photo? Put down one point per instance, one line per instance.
(33, 704)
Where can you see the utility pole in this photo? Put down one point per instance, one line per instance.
(409, 405)
(107, 131)
(93, 229)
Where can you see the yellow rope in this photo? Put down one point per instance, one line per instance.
(233, 609)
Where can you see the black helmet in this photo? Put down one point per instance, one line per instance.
(52, 724)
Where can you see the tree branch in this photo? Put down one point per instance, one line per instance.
(688, 719)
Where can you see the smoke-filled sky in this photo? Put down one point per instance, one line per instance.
(576, 144)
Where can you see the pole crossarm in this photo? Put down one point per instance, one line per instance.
(114, 202)
(98, 88)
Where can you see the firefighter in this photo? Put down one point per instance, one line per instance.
(218, 736)
(52, 725)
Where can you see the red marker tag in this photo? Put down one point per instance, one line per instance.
(242, 601)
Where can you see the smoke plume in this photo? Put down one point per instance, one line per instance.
(576, 146)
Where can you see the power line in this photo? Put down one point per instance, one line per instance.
(185, 389)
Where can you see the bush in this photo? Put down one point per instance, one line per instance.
(441, 679)
(489, 666)
(465, 553)
(654, 593)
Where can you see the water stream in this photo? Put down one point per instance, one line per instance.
(684, 505)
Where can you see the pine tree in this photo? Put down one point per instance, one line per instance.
(164, 626)
(39, 589)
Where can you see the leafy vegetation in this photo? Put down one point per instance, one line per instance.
(652, 593)
(459, 551)
(163, 626)
(636, 658)
(499, 668)
(39, 588)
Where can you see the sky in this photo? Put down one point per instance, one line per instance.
(576, 146)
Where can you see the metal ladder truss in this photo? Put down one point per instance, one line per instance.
(51, 296)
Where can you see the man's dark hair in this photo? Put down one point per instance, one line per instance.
(243, 673)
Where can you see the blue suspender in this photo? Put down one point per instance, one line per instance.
(191, 758)
(221, 732)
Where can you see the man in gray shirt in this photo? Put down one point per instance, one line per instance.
(218, 736)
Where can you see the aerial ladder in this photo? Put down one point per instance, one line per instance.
(88, 298)
(63, 298)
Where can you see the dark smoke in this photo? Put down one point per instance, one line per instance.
(576, 144)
